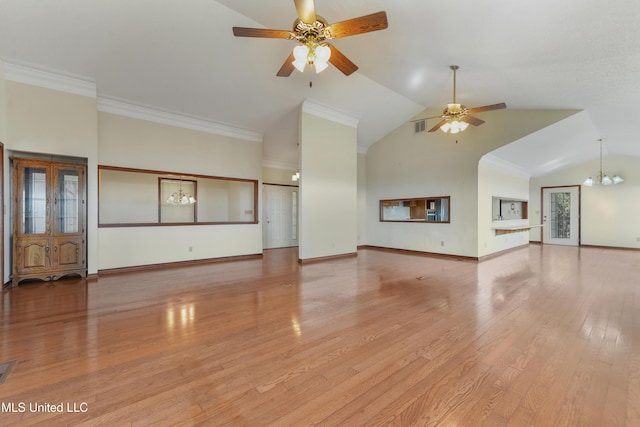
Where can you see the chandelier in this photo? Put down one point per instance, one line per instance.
(180, 197)
(602, 178)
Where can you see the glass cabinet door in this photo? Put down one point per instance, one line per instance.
(34, 215)
(68, 200)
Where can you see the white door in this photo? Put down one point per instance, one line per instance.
(279, 216)
(561, 215)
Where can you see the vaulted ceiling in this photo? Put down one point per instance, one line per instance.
(182, 57)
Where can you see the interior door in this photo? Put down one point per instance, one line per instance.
(279, 216)
(561, 215)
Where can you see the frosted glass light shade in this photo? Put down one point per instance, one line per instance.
(300, 52)
(320, 66)
(299, 64)
(316, 55)
(323, 53)
(454, 126)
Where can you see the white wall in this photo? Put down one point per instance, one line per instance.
(362, 199)
(406, 165)
(495, 181)
(281, 176)
(328, 188)
(41, 120)
(134, 143)
(128, 197)
(609, 214)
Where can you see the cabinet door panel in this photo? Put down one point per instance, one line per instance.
(68, 253)
(32, 256)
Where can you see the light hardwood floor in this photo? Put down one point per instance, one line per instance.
(541, 336)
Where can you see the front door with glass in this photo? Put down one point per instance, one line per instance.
(561, 215)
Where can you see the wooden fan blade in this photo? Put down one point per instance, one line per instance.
(364, 24)
(472, 120)
(287, 68)
(487, 108)
(440, 123)
(426, 118)
(261, 32)
(306, 11)
(340, 61)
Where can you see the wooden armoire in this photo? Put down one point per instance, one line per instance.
(49, 214)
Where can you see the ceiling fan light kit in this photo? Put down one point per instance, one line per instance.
(312, 54)
(454, 126)
(312, 31)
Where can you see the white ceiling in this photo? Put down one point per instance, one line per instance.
(182, 57)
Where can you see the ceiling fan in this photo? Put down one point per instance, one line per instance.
(456, 117)
(312, 31)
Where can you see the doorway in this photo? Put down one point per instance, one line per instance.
(561, 215)
(279, 216)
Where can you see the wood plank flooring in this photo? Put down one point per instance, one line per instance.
(541, 336)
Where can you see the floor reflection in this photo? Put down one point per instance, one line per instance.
(239, 341)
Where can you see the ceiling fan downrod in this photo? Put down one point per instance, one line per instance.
(454, 68)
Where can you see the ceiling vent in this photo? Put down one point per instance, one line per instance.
(420, 126)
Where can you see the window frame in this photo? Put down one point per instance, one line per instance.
(176, 176)
(426, 199)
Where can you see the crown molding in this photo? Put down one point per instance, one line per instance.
(20, 72)
(506, 165)
(124, 108)
(48, 78)
(323, 111)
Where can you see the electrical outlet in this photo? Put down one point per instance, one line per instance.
(442, 243)
(190, 248)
